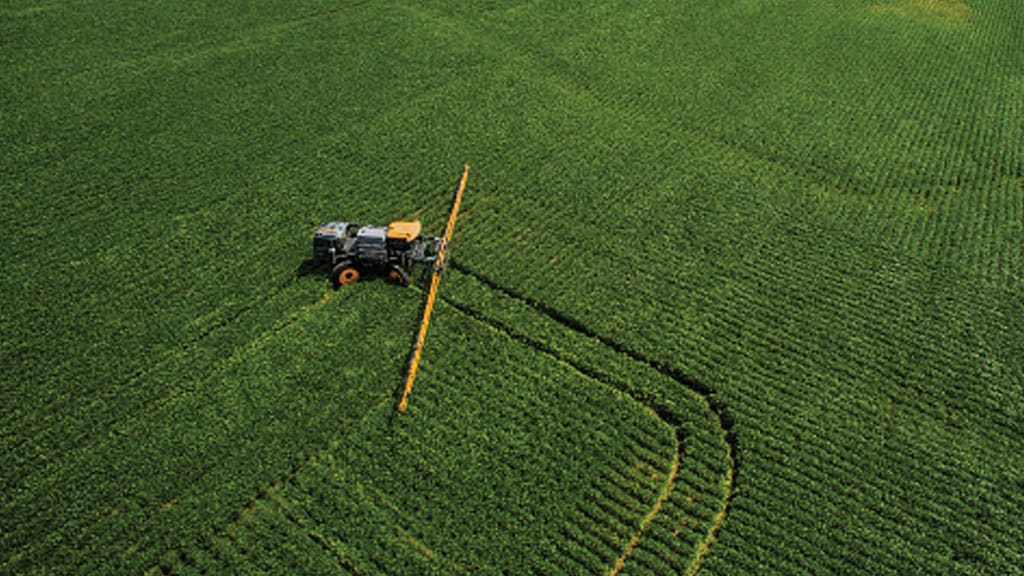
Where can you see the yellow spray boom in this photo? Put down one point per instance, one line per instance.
(435, 279)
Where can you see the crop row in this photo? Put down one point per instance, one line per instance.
(168, 475)
(875, 298)
(157, 232)
(811, 209)
(820, 304)
(705, 454)
(399, 462)
(503, 448)
(836, 121)
(185, 213)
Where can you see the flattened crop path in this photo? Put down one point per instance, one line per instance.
(681, 525)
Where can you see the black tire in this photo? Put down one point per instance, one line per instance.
(398, 275)
(344, 273)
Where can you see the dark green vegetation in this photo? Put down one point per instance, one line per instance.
(759, 257)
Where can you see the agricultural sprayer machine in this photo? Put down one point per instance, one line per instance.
(353, 250)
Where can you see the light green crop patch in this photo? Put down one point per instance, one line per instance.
(945, 12)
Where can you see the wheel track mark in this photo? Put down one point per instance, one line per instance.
(176, 352)
(83, 453)
(265, 493)
(669, 483)
(292, 511)
(716, 523)
(725, 421)
(666, 491)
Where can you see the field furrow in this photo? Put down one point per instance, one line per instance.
(722, 480)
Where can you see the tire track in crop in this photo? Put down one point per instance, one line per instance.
(169, 561)
(725, 421)
(81, 460)
(670, 477)
(90, 435)
(296, 513)
(266, 493)
(663, 495)
(668, 485)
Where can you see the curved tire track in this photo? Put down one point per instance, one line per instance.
(725, 421)
(670, 482)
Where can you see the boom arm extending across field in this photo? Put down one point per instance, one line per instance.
(435, 279)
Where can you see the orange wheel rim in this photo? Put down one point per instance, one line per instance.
(348, 276)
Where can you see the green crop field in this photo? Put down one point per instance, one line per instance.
(737, 287)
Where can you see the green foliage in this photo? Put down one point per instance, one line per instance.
(780, 239)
